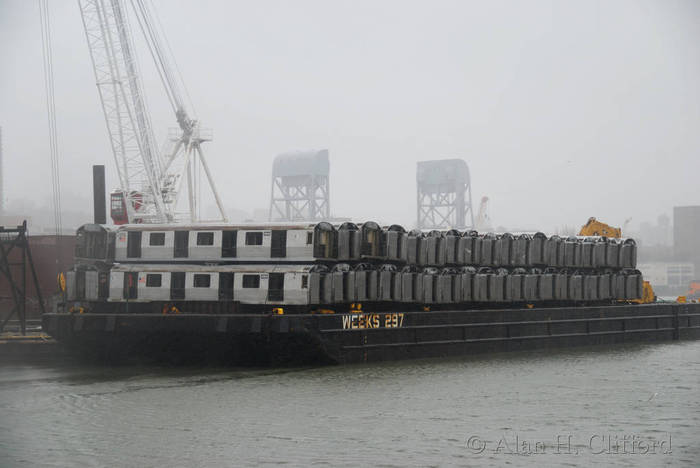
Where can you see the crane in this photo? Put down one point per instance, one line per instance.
(150, 182)
(483, 222)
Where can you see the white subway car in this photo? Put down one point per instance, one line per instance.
(309, 285)
(214, 243)
(245, 284)
(348, 242)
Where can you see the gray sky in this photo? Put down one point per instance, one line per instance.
(563, 110)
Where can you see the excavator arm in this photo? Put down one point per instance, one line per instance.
(595, 228)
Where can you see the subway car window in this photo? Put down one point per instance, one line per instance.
(253, 238)
(202, 281)
(304, 281)
(81, 244)
(251, 281)
(153, 280)
(157, 238)
(205, 238)
(91, 244)
(309, 238)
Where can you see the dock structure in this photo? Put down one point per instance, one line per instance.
(15, 260)
(33, 344)
(2, 188)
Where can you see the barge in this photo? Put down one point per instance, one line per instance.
(275, 294)
(273, 339)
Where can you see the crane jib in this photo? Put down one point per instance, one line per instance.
(150, 180)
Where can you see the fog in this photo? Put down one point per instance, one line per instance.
(562, 110)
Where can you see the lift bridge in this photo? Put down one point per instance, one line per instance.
(300, 186)
(444, 195)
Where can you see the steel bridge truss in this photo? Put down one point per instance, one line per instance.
(441, 210)
(300, 198)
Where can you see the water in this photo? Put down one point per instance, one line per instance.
(564, 407)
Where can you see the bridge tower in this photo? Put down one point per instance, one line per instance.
(300, 187)
(444, 195)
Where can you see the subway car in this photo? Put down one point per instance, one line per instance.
(231, 288)
(151, 287)
(348, 242)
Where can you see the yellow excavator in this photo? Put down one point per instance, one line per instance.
(596, 228)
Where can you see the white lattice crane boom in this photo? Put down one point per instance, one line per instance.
(150, 183)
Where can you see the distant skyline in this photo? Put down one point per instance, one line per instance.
(562, 110)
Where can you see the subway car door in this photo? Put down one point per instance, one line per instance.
(225, 286)
(228, 243)
(133, 244)
(278, 247)
(182, 239)
(177, 286)
(131, 280)
(275, 287)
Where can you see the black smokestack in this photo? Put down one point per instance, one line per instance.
(98, 194)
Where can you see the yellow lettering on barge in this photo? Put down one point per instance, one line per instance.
(366, 321)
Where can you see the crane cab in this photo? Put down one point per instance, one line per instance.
(117, 208)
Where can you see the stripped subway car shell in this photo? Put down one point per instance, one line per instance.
(316, 285)
(261, 285)
(213, 243)
(348, 242)
(334, 267)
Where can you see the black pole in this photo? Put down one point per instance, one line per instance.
(22, 310)
(98, 194)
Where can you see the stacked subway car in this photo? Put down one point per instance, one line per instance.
(301, 267)
(451, 267)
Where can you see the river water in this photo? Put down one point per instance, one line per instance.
(622, 406)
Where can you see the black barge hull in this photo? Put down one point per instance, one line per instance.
(364, 337)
